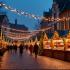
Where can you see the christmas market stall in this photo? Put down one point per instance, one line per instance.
(67, 47)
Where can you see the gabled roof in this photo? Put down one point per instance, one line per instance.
(18, 26)
(63, 4)
(66, 6)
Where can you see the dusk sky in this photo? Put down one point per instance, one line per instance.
(36, 7)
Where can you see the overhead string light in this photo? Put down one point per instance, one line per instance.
(19, 34)
(15, 30)
(32, 15)
(18, 11)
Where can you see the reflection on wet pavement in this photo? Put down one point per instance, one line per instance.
(13, 60)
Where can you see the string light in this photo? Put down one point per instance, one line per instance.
(17, 11)
(26, 35)
(32, 15)
(8, 28)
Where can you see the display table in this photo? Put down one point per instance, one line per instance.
(2, 50)
(47, 52)
(58, 54)
(67, 55)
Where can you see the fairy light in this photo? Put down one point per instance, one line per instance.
(26, 31)
(33, 16)
(19, 12)
(13, 29)
(0, 4)
(13, 10)
(17, 37)
(23, 35)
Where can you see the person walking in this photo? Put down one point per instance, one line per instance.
(35, 50)
(15, 48)
(26, 47)
(31, 49)
(21, 49)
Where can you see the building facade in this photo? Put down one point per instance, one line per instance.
(60, 9)
(64, 12)
(3, 21)
(18, 26)
(5, 25)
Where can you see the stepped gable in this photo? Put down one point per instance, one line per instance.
(63, 4)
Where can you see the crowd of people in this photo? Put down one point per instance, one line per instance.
(32, 48)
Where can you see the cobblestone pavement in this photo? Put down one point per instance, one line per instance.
(13, 60)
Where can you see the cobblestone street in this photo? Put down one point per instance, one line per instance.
(13, 60)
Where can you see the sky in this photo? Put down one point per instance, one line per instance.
(36, 7)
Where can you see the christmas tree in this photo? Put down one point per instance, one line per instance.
(36, 40)
(41, 43)
(56, 35)
(68, 36)
(45, 37)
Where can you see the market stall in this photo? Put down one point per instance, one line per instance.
(57, 42)
(46, 42)
(67, 42)
(57, 48)
(67, 47)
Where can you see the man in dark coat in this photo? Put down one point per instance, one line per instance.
(21, 49)
(31, 49)
(36, 47)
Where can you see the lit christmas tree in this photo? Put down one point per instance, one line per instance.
(32, 42)
(68, 36)
(45, 37)
(41, 43)
(56, 35)
(36, 40)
